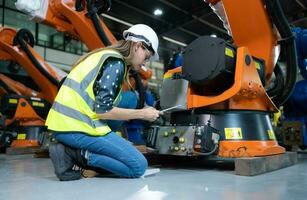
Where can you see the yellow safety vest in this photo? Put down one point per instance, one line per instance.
(73, 109)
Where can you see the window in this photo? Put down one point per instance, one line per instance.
(10, 3)
(47, 36)
(18, 20)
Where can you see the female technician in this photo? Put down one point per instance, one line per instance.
(89, 98)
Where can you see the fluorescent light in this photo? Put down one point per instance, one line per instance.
(129, 24)
(174, 41)
(158, 12)
(117, 20)
(213, 35)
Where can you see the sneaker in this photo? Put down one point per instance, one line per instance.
(76, 156)
(63, 162)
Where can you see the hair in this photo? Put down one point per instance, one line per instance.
(122, 46)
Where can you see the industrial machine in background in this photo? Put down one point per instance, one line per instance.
(223, 86)
(25, 99)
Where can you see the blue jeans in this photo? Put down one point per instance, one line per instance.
(110, 152)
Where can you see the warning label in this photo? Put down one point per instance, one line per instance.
(271, 135)
(233, 133)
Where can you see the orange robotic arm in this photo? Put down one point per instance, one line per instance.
(80, 23)
(79, 19)
(251, 25)
(41, 73)
(225, 82)
(19, 88)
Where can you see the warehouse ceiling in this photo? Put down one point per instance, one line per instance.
(183, 20)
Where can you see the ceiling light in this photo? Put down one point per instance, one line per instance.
(174, 41)
(213, 35)
(158, 12)
(117, 20)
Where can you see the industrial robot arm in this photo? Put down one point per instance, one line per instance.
(16, 87)
(16, 46)
(235, 75)
(77, 18)
(223, 85)
(251, 25)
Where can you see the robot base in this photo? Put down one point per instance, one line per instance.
(230, 134)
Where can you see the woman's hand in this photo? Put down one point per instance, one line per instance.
(151, 114)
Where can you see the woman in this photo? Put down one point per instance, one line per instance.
(83, 116)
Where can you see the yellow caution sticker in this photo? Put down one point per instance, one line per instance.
(167, 75)
(271, 135)
(13, 101)
(233, 133)
(229, 52)
(21, 136)
(38, 104)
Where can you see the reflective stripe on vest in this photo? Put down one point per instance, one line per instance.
(76, 115)
(73, 109)
(80, 90)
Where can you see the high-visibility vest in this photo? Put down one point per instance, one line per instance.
(73, 109)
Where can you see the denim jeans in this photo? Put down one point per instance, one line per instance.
(110, 152)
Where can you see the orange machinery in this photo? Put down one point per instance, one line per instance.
(24, 108)
(223, 86)
(80, 19)
(8, 85)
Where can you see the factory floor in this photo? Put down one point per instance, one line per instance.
(24, 177)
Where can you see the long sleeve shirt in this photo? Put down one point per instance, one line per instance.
(107, 84)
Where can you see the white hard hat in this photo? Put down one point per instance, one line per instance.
(143, 33)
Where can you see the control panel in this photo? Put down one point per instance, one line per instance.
(181, 140)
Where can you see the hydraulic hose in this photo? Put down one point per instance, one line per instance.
(288, 45)
(79, 6)
(103, 6)
(139, 87)
(279, 85)
(92, 12)
(209, 153)
(23, 36)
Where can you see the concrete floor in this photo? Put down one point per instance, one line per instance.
(28, 178)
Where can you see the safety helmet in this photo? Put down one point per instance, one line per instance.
(143, 33)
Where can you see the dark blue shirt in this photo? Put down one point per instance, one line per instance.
(107, 84)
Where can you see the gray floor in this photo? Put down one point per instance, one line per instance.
(28, 178)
